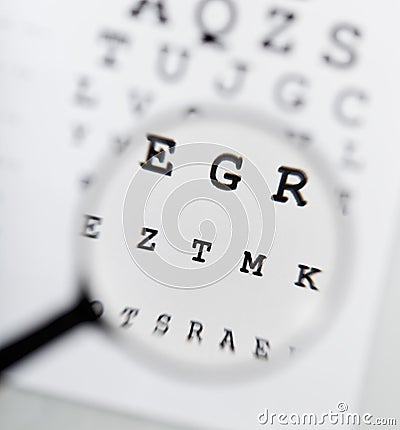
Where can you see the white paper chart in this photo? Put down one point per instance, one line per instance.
(222, 177)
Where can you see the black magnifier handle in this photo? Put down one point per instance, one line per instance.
(83, 311)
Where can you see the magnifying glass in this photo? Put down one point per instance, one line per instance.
(211, 245)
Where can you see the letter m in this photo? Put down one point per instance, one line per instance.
(256, 264)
